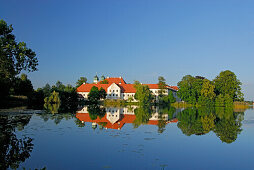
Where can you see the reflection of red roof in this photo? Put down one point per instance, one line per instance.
(125, 118)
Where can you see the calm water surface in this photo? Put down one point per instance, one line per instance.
(129, 138)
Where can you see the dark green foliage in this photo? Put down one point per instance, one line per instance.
(204, 92)
(80, 81)
(22, 86)
(223, 121)
(102, 93)
(190, 89)
(14, 56)
(62, 98)
(219, 101)
(104, 82)
(13, 150)
(227, 83)
(143, 94)
(162, 86)
(95, 111)
(94, 95)
(143, 114)
(228, 100)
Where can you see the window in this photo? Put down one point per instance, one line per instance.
(116, 94)
(116, 90)
(109, 94)
(113, 90)
(109, 90)
(113, 94)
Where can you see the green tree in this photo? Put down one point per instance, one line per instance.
(227, 83)
(143, 94)
(80, 81)
(190, 88)
(161, 85)
(14, 56)
(228, 101)
(102, 93)
(171, 97)
(219, 101)
(94, 95)
(105, 81)
(22, 86)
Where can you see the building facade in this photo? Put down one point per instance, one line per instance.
(117, 88)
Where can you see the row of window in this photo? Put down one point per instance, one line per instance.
(113, 90)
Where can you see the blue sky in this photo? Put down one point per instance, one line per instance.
(136, 39)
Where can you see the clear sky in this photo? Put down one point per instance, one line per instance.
(135, 39)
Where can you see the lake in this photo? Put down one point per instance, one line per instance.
(95, 137)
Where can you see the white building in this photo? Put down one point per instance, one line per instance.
(117, 88)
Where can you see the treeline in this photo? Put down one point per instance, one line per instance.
(58, 96)
(221, 91)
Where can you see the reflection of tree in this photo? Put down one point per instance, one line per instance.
(57, 118)
(228, 126)
(162, 122)
(13, 151)
(143, 114)
(225, 123)
(95, 110)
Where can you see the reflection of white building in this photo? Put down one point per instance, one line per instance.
(115, 118)
(117, 88)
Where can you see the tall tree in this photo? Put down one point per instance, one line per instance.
(143, 94)
(14, 56)
(227, 83)
(162, 85)
(80, 81)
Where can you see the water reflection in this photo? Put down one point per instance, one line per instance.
(116, 118)
(224, 122)
(13, 150)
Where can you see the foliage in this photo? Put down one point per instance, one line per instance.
(222, 91)
(219, 101)
(13, 150)
(143, 114)
(224, 122)
(95, 111)
(227, 83)
(80, 81)
(104, 81)
(161, 85)
(14, 56)
(53, 98)
(143, 94)
(22, 86)
(190, 89)
(102, 93)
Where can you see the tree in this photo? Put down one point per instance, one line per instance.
(161, 85)
(227, 83)
(22, 86)
(94, 95)
(14, 56)
(104, 81)
(190, 88)
(80, 81)
(143, 94)
(102, 93)
(219, 101)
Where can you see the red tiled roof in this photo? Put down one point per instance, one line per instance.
(87, 87)
(125, 88)
(116, 80)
